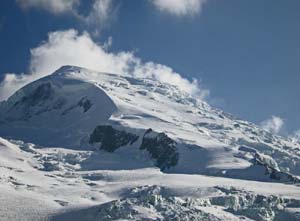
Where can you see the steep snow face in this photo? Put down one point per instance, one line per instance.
(65, 108)
(109, 147)
(209, 140)
(55, 111)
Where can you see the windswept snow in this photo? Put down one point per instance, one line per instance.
(94, 156)
(55, 107)
(72, 190)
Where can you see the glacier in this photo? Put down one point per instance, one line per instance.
(84, 145)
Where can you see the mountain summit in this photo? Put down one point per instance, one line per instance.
(106, 122)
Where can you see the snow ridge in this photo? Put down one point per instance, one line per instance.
(112, 147)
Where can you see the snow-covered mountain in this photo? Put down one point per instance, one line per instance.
(99, 146)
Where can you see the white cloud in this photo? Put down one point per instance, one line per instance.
(179, 7)
(53, 6)
(11, 82)
(273, 125)
(100, 12)
(71, 48)
(99, 16)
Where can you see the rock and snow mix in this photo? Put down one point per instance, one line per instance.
(83, 145)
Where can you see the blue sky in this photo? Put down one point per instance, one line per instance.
(244, 52)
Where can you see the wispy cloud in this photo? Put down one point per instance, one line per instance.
(273, 125)
(12, 82)
(71, 48)
(99, 16)
(53, 6)
(102, 13)
(179, 7)
(295, 136)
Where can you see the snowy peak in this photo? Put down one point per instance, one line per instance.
(149, 122)
(55, 106)
(85, 145)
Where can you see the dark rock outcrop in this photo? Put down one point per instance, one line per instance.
(111, 138)
(85, 103)
(161, 148)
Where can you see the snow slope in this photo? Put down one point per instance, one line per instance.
(31, 189)
(113, 147)
(55, 107)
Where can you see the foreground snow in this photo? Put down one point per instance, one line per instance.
(73, 191)
(114, 148)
